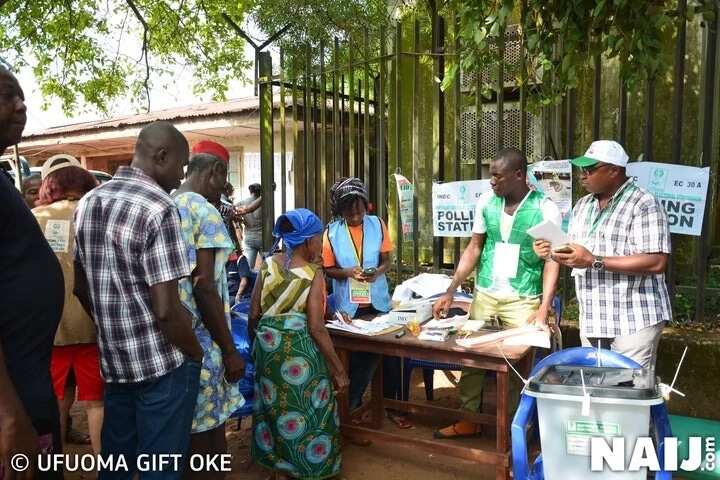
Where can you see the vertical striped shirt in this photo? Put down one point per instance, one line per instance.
(128, 238)
(616, 304)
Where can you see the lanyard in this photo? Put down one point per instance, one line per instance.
(358, 254)
(513, 216)
(608, 210)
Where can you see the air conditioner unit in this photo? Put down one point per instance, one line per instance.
(534, 149)
(511, 72)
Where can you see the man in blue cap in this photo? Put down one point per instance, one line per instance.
(620, 250)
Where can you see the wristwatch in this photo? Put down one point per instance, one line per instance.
(598, 264)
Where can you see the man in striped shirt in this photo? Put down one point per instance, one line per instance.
(620, 250)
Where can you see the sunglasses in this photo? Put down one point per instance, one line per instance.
(591, 169)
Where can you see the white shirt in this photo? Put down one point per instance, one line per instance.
(550, 211)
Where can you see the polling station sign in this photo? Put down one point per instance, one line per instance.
(453, 205)
(681, 189)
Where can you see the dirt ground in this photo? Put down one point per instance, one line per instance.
(363, 463)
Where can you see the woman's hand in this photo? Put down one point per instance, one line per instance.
(341, 381)
(345, 317)
(355, 273)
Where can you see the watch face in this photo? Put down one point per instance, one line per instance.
(598, 264)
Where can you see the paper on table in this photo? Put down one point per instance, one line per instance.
(539, 338)
(547, 230)
(433, 335)
(528, 335)
(376, 326)
(428, 284)
(472, 326)
(457, 322)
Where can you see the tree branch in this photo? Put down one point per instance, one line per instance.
(144, 53)
(239, 30)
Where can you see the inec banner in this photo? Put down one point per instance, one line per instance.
(681, 189)
(406, 192)
(554, 179)
(453, 206)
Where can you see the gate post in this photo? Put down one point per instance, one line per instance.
(267, 157)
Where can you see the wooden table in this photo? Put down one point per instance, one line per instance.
(487, 357)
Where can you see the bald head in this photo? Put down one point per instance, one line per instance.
(13, 113)
(161, 152)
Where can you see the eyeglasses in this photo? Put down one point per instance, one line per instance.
(592, 169)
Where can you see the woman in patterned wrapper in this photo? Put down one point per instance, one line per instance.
(206, 297)
(296, 428)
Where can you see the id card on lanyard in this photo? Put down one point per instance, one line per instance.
(600, 219)
(359, 292)
(606, 212)
(506, 259)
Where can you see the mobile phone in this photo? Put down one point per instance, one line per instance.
(370, 271)
(563, 249)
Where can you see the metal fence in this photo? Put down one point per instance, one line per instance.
(376, 108)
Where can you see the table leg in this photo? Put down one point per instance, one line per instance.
(377, 398)
(344, 399)
(503, 427)
(526, 364)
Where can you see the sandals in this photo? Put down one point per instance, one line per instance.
(440, 435)
(399, 420)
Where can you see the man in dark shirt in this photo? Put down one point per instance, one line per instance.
(31, 302)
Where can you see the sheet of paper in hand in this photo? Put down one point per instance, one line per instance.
(547, 230)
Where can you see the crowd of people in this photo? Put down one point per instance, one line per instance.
(124, 286)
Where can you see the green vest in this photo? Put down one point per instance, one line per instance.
(528, 281)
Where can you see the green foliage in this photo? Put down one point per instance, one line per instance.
(562, 36)
(79, 48)
(316, 22)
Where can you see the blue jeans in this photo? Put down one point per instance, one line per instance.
(150, 417)
(251, 248)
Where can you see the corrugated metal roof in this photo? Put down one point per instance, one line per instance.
(235, 106)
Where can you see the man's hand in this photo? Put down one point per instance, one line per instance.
(196, 352)
(580, 257)
(542, 249)
(442, 305)
(17, 436)
(539, 319)
(234, 366)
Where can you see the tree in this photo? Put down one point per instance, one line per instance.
(78, 49)
(562, 35)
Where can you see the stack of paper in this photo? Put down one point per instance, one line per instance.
(472, 326)
(434, 335)
(530, 335)
(378, 326)
(457, 322)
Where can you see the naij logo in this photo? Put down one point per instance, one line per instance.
(701, 455)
